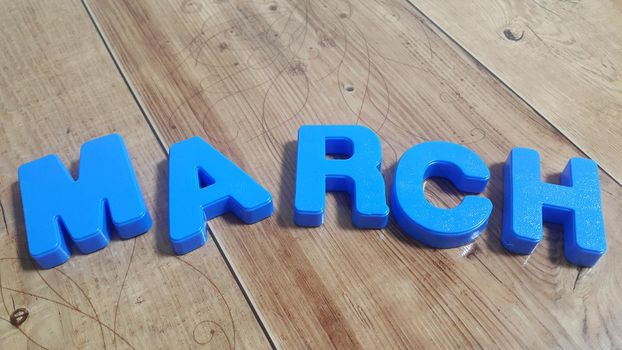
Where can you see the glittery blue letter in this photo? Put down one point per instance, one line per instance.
(418, 218)
(575, 204)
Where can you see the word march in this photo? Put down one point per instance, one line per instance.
(203, 184)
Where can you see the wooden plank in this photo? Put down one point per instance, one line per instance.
(246, 75)
(564, 58)
(58, 89)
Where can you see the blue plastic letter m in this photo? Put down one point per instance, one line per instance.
(106, 198)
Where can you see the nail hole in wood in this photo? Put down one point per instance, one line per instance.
(19, 316)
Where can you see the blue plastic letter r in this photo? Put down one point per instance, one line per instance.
(359, 174)
(575, 204)
(106, 198)
(204, 184)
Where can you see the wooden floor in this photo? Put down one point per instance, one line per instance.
(489, 74)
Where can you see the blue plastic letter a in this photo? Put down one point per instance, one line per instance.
(204, 184)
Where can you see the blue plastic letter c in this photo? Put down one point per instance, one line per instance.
(426, 223)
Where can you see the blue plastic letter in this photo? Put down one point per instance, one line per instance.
(433, 226)
(105, 198)
(359, 174)
(204, 184)
(575, 204)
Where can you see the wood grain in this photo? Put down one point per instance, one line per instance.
(58, 89)
(564, 58)
(245, 75)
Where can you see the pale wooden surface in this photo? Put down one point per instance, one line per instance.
(563, 57)
(245, 75)
(58, 89)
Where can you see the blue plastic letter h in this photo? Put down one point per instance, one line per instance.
(575, 203)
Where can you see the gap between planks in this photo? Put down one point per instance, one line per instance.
(471, 56)
(154, 130)
(434, 26)
(489, 71)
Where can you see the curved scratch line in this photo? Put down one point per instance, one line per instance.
(343, 51)
(236, 23)
(358, 116)
(116, 308)
(343, 96)
(24, 334)
(67, 303)
(101, 329)
(386, 87)
(221, 329)
(229, 76)
(204, 42)
(221, 297)
(293, 116)
(268, 130)
(385, 112)
(68, 307)
(261, 119)
(392, 149)
(287, 65)
(6, 227)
